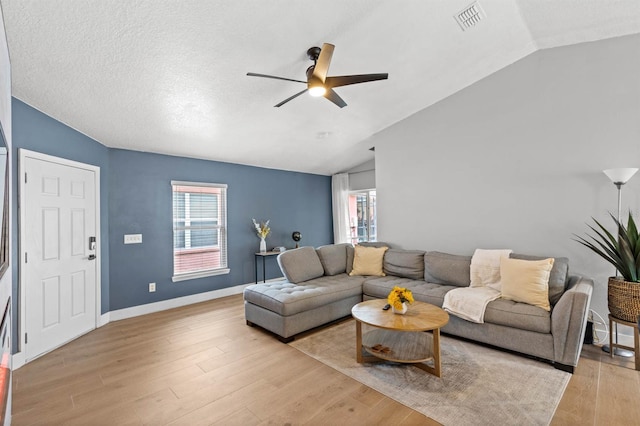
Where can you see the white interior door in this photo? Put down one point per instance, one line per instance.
(59, 265)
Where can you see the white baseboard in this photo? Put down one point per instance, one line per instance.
(163, 305)
(18, 359)
(104, 319)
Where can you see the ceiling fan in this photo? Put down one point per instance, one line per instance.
(318, 84)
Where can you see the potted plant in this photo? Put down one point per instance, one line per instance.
(398, 299)
(623, 252)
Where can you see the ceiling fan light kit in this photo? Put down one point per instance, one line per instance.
(318, 83)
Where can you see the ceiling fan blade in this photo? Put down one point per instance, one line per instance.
(324, 60)
(333, 97)
(289, 98)
(253, 74)
(345, 80)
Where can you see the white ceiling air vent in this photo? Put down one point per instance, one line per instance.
(469, 16)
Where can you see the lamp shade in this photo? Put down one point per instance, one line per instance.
(620, 176)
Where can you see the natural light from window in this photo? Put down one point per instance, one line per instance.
(362, 216)
(199, 230)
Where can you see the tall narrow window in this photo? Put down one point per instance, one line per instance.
(362, 216)
(199, 230)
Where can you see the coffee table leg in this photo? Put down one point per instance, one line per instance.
(437, 366)
(359, 341)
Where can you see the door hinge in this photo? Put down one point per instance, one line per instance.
(26, 258)
(26, 339)
(25, 178)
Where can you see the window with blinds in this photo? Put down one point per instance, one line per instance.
(199, 230)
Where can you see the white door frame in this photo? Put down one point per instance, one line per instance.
(23, 154)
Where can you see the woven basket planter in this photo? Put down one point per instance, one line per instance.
(624, 299)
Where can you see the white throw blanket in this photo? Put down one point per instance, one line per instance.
(485, 267)
(469, 303)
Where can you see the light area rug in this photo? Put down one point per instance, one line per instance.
(479, 385)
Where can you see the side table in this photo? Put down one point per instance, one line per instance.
(263, 256)
(636, 339)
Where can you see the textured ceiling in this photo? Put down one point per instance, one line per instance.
(170, 76)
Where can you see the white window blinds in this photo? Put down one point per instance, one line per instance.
(199, 229)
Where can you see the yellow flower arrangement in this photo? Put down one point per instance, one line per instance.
(398, 296)
(262, 228)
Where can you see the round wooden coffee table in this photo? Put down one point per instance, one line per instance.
(400, 338)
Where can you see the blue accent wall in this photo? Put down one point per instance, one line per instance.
(140, 203)
(136, 199)
(36, 131)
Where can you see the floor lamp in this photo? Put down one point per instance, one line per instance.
(619, 177)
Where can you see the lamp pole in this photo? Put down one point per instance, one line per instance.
(619, 177)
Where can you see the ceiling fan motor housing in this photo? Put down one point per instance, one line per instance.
(314, 53)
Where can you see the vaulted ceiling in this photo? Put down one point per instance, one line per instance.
(169, 76)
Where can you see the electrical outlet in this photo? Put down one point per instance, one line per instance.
(152, 287)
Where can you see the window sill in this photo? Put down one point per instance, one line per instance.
(201, 274)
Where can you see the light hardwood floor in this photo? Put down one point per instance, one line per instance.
(202, 364)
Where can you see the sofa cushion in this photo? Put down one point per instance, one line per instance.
(285, 298)
(445, 268)
(333, 258)
(368, 261)
(377, 244)
(301, 264)
(404, 263)
(557, 279)
(379, 287)
(350, 252)
(526, 281)
(518, 315)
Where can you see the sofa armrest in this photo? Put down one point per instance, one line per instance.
(569, 318)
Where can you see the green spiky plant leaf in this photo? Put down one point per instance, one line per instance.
(622, 251)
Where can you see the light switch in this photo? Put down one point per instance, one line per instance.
(133, 238)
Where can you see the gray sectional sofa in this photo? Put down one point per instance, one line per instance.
(318, 289)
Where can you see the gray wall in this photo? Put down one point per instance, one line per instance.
(140, 203)
(363, 176)
(515, 160)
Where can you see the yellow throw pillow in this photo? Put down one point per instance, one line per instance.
(526, 281)
(368, 261)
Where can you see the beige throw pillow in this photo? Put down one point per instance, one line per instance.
(526, 281)
(368, 261)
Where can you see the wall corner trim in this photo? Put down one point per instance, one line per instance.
(104, 319)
